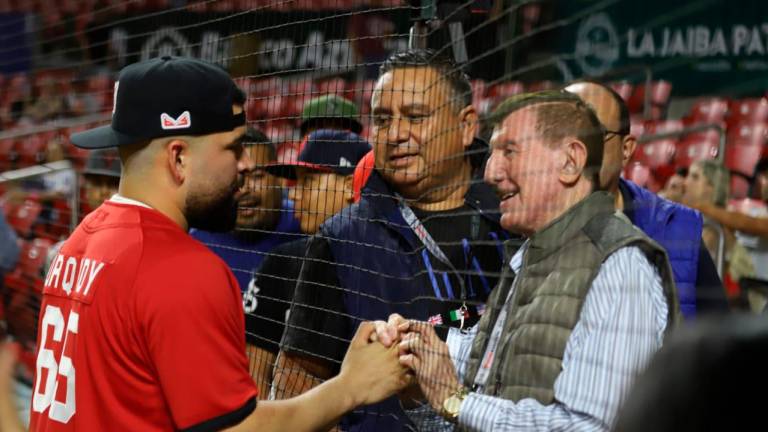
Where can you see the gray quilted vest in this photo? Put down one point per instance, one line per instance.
(559, 266)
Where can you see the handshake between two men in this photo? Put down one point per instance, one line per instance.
(423, 370)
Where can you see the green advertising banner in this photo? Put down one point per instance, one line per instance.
(705, 46)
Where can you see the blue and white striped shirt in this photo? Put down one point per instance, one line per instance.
(622, 325)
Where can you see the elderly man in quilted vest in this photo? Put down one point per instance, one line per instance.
(580, 308)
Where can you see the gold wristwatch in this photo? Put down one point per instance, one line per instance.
(452, 404)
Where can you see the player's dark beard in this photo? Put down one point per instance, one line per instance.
(212, 213)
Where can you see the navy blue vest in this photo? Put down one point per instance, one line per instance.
(381, 264)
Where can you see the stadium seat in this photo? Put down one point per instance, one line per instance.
(691, 150)
(33, 255)
(749, 111)
(709, 110)
(654, 154)
(505, 89)
(739, 187)
(623, 88)
(336, 86)
(660, 93)
(8, 154)
(748, 134)
(637, 173)
(266, 86)
(742, 158)
(663, 126)
(22, 217)
(32, 149)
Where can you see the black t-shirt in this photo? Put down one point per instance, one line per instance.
(272, 289)
(318, 324)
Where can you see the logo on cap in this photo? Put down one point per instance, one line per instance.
(182, 122)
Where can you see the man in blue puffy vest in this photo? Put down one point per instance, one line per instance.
(675, 227)
(424, 239)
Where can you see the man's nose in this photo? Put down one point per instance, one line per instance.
(399, 131)
(494, 172)
(246, 163)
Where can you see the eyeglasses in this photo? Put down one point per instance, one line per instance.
(610, 133)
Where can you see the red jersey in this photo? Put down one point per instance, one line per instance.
(141, 328)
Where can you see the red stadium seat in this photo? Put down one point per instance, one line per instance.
(751, 134)
(710, 110)
(624, 89)
(505, 89)
(23, 217)
(663, 126)
(331, 86)
(8, 153)
(742, 158)
(749, 111)
(656, 153)
(33, 255)
(692, 150)
(739, 187)
(32, 149)
(638, 173)
(660, 93)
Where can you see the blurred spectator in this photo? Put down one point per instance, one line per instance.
(368, 31)
(265, 219)
(752, 228)
(265, 216)
(676, 228)
(708, 182)
(582, 306)
(423, 240)
(675, 187)
(48, 104)
(330, 112)
(707, 377)
(322, 174)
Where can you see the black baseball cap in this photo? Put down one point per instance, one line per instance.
(167, 96)
(328, 150)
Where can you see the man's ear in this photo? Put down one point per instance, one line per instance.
(177, 151)
(574, 161)
(349, 191)
(469, 124)
(628, 147)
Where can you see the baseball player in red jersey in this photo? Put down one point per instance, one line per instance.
(141, 326)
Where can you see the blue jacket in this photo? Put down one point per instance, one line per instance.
(677, 229)
(384, 269)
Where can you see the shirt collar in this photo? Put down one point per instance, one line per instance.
(119, 199)
(516, 263)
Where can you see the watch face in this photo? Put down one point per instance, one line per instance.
(452, 405)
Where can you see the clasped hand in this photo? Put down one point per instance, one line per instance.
(423, 353)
